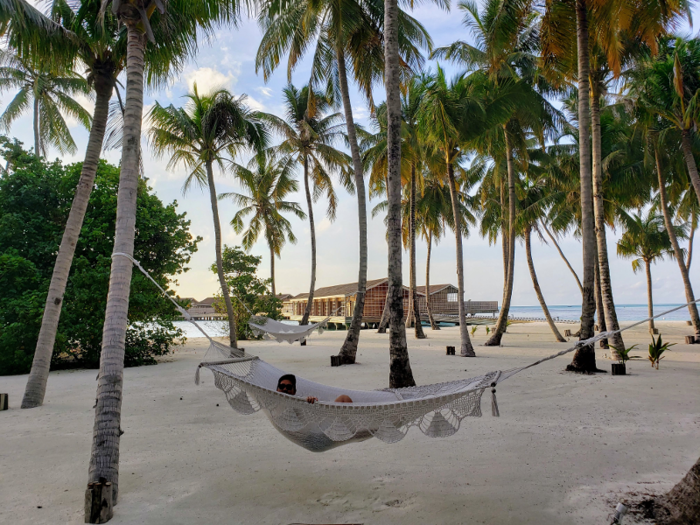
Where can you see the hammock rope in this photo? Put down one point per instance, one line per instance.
(249, 384)
(260, 325)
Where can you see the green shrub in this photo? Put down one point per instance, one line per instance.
(35, 198)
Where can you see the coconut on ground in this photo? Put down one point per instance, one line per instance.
(564, 450)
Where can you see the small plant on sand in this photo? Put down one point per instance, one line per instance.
(488, 330)
(474, 330)
(623, 354)
(656, 350)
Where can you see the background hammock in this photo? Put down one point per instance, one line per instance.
(272, 329)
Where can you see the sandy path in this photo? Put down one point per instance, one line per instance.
(562, 451)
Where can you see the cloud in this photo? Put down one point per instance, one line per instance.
(265, 91)
(209, 79)
(255, 104)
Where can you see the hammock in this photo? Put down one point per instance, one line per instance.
(271, 329)
(250, 385)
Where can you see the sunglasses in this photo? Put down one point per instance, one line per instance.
(285, 387)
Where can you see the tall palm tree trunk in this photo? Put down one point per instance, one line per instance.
(687, 146)
(606, 292)
(650, 297)
(561, 253)
(689, 295)
(536, 286)
(504, 240)
(272, 271)
(312, 229)
(433, 324)
(219, 261)
(681, 505)
(104, 459)
(400, 374)
(39, 374)
(599, 307)
(502, 322)
(384, 321)
(691, 238)
(348, 351)
(37, 132)
(415, 310)
(467, 350)
(584, 358)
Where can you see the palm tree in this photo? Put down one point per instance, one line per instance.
(176, 28)
(505, 52)
(50, 95)
(446, 110)
(658, 147)
(267, 180)
(310, 140)
(80, 31)
(681, 504)
(533, 206)
(204, 132)
(562, 20)
(342, 30)
(434, 211)
(646, 240)
(566, 57)
(413, 153)
(97, 47)
(400, 374)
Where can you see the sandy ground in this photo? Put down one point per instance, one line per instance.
(565, 449)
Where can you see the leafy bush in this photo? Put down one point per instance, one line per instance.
(35, 198)
(249, 293)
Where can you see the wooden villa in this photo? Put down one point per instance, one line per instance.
(444, 302)
(204, 310)
(338, 302)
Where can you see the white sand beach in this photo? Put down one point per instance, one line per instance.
(565, 449)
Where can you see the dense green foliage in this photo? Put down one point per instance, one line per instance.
(35, 198)
(249, 293)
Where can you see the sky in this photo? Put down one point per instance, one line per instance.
(229, 62)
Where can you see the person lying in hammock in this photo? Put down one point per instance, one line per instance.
(287, 384)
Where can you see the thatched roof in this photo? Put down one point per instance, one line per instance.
(339, 289)
(435, 288)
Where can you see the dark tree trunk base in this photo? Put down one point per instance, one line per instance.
(581, 370)
(345, 360)
(495, 340)
(381, 330)
(467, 352)
(98, 502)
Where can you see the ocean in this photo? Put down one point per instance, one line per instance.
(563, 312)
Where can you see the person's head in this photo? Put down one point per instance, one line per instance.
(287, 384)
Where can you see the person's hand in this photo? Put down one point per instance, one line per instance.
(311, 400)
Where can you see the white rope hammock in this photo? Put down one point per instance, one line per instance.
(272, 329)
(250, 385)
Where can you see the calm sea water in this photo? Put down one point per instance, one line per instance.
(564, 312)
(625, 312)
